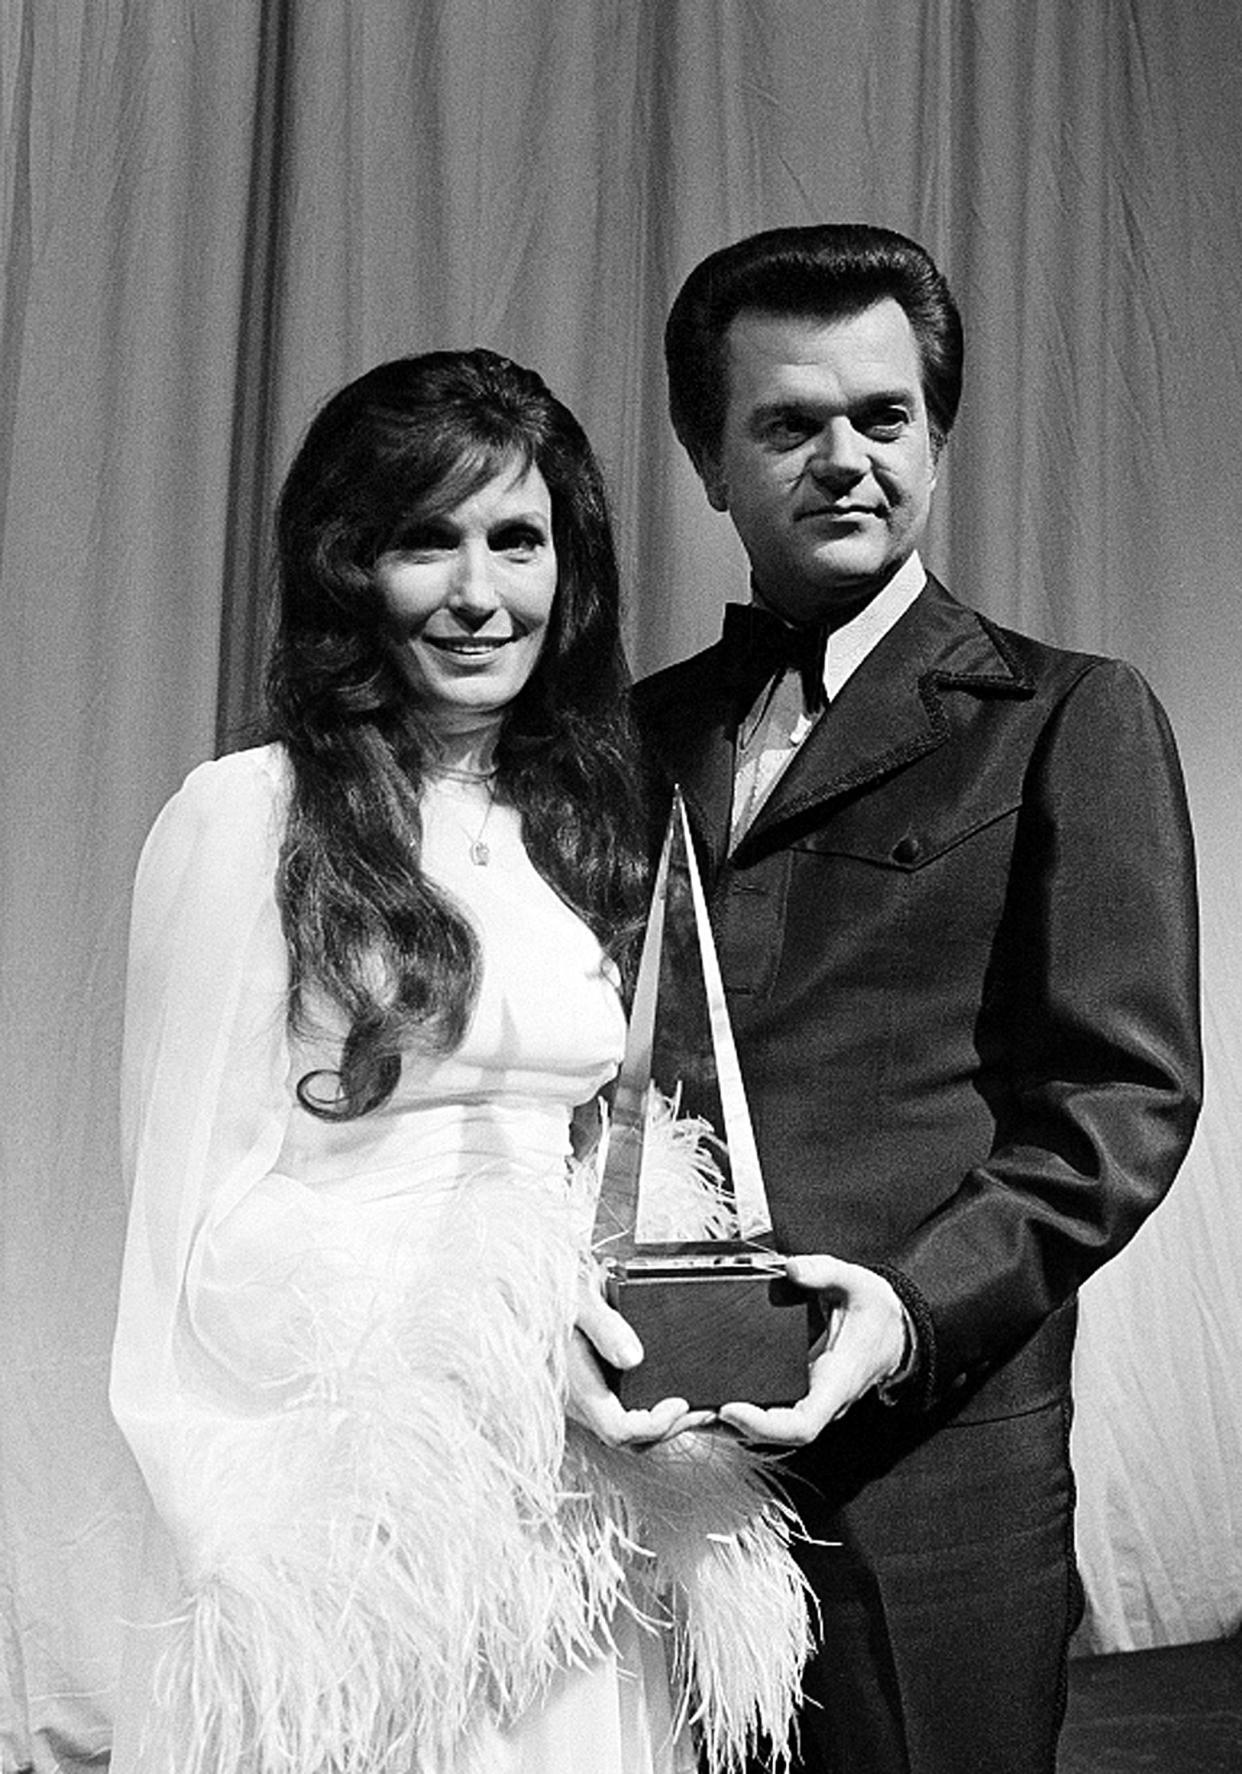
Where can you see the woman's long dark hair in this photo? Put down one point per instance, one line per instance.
(405, 443)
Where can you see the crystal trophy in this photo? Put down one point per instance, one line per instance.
(683, 1216)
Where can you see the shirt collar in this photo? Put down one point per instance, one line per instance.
(850, 644)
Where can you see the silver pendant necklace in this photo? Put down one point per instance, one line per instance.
(478, 849)
(480, 853)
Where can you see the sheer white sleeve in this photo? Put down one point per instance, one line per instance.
(205, 1089)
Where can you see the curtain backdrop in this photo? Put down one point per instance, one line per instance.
(215, 211)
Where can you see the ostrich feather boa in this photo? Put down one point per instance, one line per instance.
(407, 1537)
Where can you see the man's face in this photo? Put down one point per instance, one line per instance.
(826, 464)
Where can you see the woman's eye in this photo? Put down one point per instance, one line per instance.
(519, 539)
(423, 539)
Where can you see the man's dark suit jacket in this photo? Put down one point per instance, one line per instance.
(959, 945)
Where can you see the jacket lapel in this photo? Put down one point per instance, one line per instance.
(891, 711)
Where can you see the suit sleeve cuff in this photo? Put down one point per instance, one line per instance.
(914, 1382)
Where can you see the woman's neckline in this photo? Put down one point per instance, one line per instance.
(466, 753)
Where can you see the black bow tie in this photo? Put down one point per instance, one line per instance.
(757, 646)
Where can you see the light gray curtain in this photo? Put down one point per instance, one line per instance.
(215, 211)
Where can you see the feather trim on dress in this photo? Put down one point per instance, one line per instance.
(406, 1539)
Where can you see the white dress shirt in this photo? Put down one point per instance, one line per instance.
(778, 723)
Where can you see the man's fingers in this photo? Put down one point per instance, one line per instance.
(862, 1345)
(819, 1274)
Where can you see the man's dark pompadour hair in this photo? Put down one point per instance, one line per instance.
(826, 272)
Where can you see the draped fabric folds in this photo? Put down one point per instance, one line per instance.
(215, 211)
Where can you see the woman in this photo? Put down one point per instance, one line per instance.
(369, 985)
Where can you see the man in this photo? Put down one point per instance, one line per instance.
(951, 881)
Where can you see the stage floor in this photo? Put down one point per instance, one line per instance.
(1171, 1711)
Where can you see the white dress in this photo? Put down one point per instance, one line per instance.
(340, 1354)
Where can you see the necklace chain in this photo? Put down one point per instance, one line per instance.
(478, 849)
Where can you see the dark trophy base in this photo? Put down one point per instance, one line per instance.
(717, 1327)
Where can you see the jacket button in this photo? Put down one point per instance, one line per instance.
(907, 849)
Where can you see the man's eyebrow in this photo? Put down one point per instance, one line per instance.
(902, 396)
(783, 409)
(799, 405)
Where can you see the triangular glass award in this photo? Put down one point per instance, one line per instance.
(683, 1213)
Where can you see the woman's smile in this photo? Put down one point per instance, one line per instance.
(469, 593)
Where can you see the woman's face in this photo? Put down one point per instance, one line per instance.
(469, 594)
